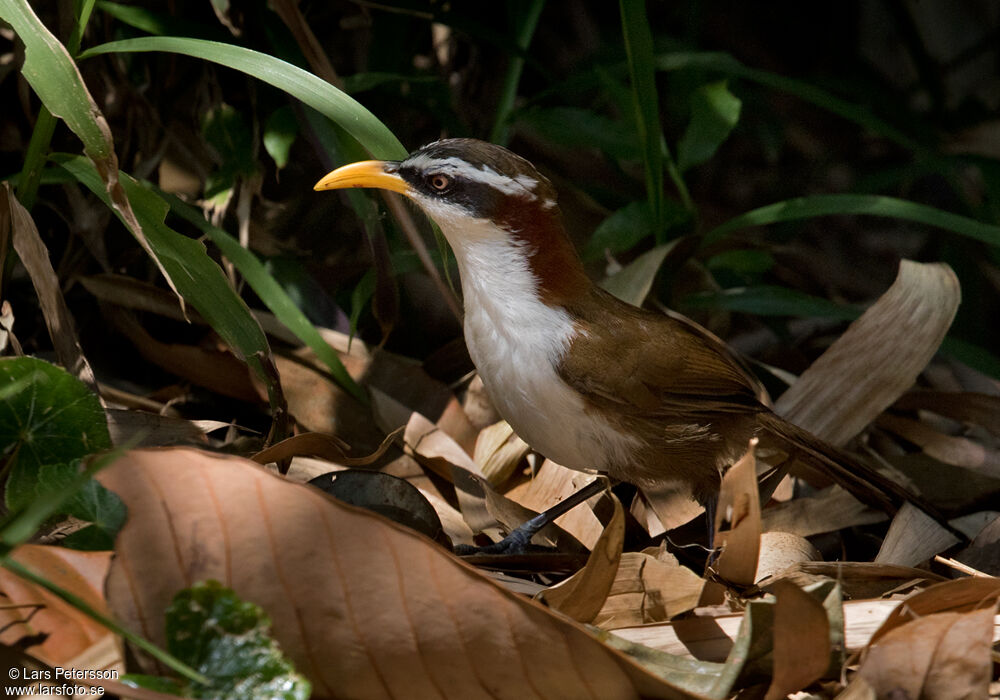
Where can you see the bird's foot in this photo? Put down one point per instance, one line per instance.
(516, 543)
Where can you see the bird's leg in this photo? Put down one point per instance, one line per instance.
(517, 541)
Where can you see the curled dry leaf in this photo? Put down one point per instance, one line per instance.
(583, 594)
(781, 550)
(365, 608)
(328, 447)
(66, 634)
(739, 508)
(946, 655)
(801, 640)
(878, 357)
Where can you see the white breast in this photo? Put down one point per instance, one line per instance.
(516, 342)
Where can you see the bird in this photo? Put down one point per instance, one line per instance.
(586, 379)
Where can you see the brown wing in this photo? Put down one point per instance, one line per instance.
(656, 364)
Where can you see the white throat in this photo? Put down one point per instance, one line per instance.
(517, 342)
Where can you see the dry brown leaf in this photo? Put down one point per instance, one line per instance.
(961, 595)
(878, 357)
(711, 638)
(35, 258)
(857, 689)
(142, 429)
(858, 580)
(913, 537)
(650, 586)
(965, 406)
(364, 608)
(984, 552)
(801, 640)
(435, 448)
(946, 655)
(739, 507)
(664, 507)
(583, 594)
(950, 449)
(31, 610)
(828, 510)
(217, 370)
(328, 447)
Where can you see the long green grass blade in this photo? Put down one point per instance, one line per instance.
(872, 205)
(270, 292)
(80, 604)
(768, 300)
(645, 103)
(528, 21)
(304, 86)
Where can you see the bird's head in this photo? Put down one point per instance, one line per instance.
(484, 198)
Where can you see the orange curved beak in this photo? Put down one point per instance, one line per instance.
(366, 173)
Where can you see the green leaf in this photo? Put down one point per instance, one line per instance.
(693, 675)
(197, 277)
(311, 90)
(92, 502)
(714, 113)
(768, 300)
(157, 23)
(872, 205)
(974, 356)
(524, 16)
(582, 128)
(630, 225)
(54, 77)
(225, 130)
(53, 418)
(270, 292)
(280, 131)
(633, 282)
(47, 426)
(227, 640)
(743, 262)
(727, 65)
(621, 231)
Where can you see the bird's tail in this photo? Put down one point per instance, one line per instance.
(863, 481)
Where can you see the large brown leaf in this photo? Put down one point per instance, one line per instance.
(365, 608)
(66, 637)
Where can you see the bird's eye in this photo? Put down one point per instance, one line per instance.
(439, 182)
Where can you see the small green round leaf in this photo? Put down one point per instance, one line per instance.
(47, 416)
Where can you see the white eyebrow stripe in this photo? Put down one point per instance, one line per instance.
(484, 175)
